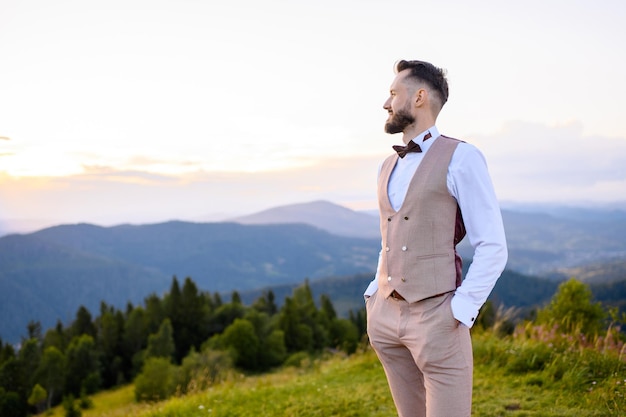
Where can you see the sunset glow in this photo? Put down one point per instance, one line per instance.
(179, 110)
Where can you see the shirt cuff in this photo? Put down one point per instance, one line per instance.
(371, 289)
(463, 310)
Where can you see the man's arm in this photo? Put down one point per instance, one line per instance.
(373, 285)
(470, 183)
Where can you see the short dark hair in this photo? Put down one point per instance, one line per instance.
(426, 72)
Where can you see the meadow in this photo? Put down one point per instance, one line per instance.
(534, 372)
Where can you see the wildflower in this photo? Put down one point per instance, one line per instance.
(200, 407)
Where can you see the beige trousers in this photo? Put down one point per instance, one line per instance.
(426, 355)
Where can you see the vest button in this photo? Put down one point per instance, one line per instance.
(404, 248)
(387, 249)
(403, 279)
(388, 219)
(406, 217)
(388, 279)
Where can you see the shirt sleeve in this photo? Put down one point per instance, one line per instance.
(470, 183)
(373, 285)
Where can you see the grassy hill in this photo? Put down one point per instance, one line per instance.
(355, 386)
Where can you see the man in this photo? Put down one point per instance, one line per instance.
(431, 193)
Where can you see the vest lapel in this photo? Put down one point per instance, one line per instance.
(383, 184)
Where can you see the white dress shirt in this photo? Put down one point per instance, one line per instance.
(470, 184)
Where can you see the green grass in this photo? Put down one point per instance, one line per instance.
(510, 379)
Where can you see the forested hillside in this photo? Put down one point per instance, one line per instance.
(189, 341)
(512, 291)
(185, 327)
(46, 275)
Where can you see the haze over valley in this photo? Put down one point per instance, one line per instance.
(46, 275)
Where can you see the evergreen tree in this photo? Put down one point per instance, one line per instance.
(175, 312)
(235, 298)
(344, 335)
(34, 330)
(224, 316)
(161, 344)
(110, 326)
(38, 397)
(11, 404)
(83, 323)
(6, 352)
(83, 366)
(155, 313)
(135, 339)
(573, 310)
(241, 339)
(192, 327)
(135, 334)
(487, 317)
(14, 389)
(56, 337)
(69, 404)
(298, 336)
(327, 307)
(359, 319)
(29, 357)
(266, 303)
(217, 300)
(157, 380)
(310, 316)
(51, 373)
(272, 350)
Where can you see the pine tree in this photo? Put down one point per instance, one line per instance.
(161, 344)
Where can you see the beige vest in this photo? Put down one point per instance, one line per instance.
(418, 241)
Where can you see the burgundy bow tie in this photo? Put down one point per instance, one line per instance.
(411, 147)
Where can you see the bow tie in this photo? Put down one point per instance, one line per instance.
(411, 147)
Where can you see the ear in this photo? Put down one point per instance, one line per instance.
(420, 97)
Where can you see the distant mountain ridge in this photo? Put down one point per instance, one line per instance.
(325, 215)
(47, 275)
(563, 239)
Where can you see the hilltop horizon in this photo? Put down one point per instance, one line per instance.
(29, 225)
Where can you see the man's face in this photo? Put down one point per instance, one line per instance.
(398, 105)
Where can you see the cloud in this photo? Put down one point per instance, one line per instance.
(536, 162)
(528, 163)
(104, 195)
(97, 173)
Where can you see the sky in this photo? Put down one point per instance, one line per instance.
(139, 111)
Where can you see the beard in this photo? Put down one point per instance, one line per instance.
(399, 121)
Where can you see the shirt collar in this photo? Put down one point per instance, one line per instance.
(434, 132)
(419, 139)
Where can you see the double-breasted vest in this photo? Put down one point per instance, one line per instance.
(419, 259)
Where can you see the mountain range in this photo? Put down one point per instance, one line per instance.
(48, 274)
(551, 242)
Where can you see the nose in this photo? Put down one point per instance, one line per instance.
(387, 104)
